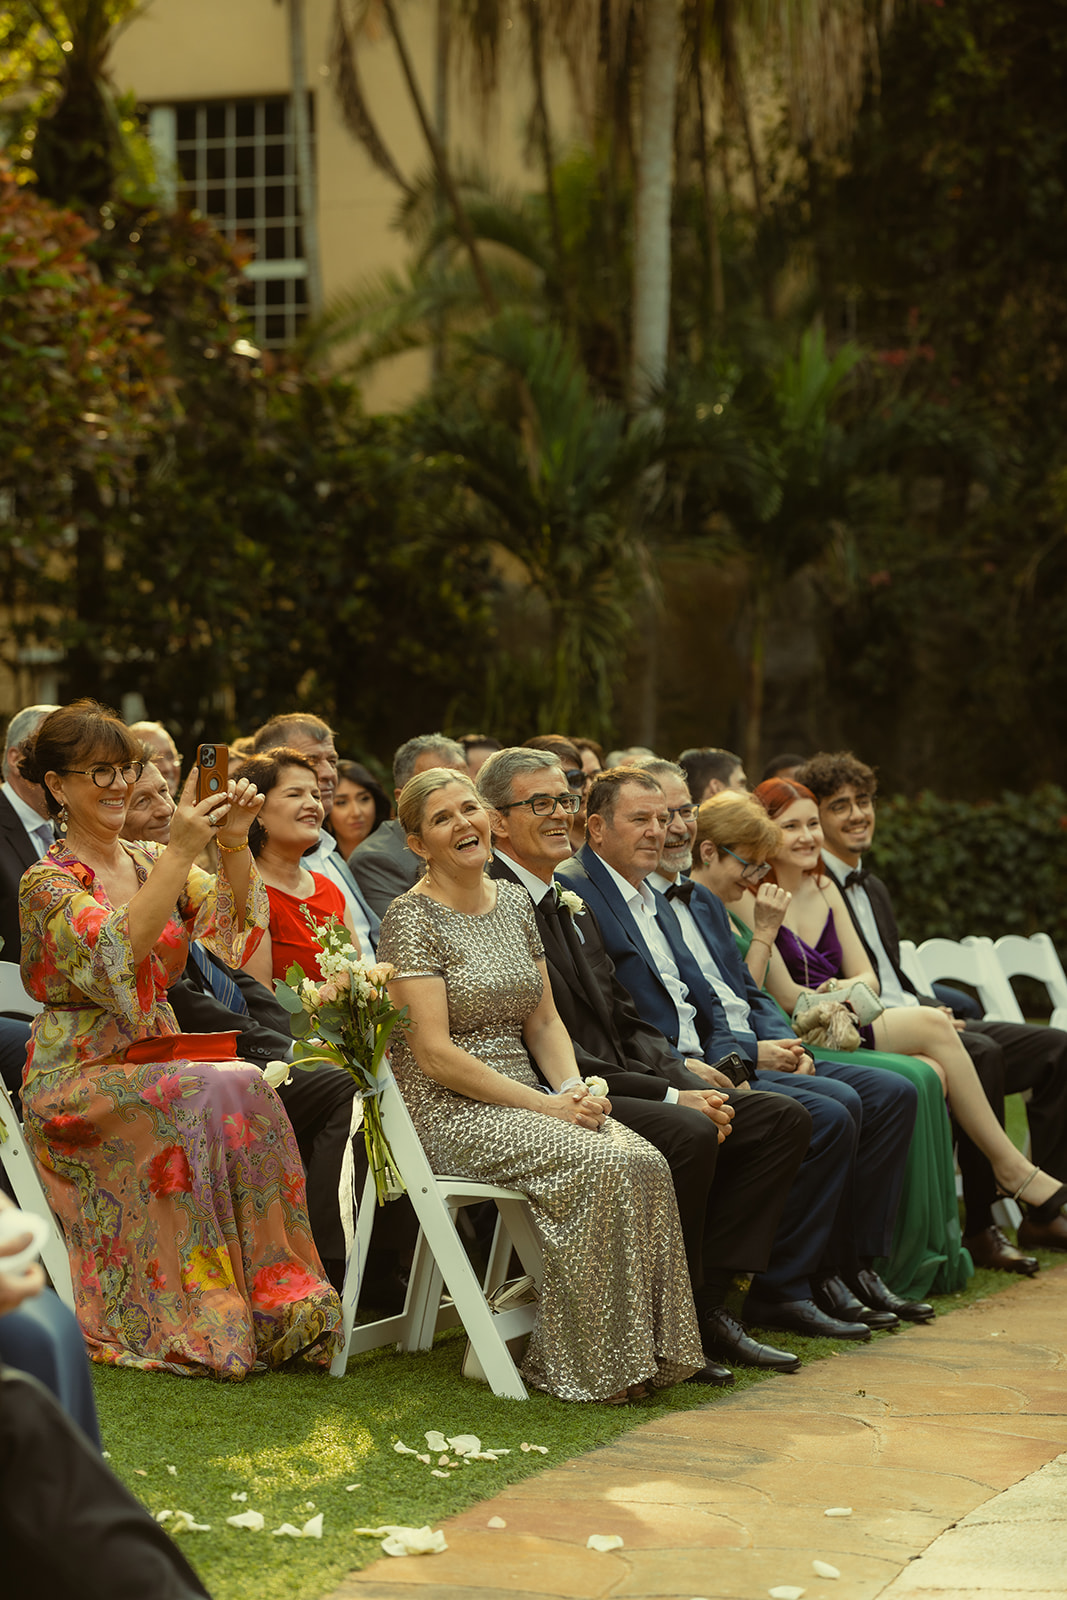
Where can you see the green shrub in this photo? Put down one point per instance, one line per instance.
(995, 867)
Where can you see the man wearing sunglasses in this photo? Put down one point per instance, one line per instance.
(732, 1156)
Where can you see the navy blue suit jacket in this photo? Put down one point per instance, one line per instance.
(713, 920)
(587, 875)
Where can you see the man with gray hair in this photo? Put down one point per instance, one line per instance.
(382, 865)
(25, 830)
(313, 739)
(731, 1193)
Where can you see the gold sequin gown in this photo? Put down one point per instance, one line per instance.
(616, 1307)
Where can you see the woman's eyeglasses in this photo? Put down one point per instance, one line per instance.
(104, 774)
(755, 871)
(543, 805)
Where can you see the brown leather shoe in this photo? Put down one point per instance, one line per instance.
(990, 1248)
(1044, 1235)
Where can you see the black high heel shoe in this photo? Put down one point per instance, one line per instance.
(1048, 1210)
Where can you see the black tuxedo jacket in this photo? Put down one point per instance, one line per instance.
(885, 918)
(609, 1036)
(16, 854)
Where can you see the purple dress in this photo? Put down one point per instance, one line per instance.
(812, 965)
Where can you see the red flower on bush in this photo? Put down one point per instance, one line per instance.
(281, 1284)
(168, 1172)
(66, 1128)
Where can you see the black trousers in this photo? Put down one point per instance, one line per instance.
(67, 1525)
(730, 1195)
(1010, 1057)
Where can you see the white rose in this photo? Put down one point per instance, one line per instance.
(572, 902)
(597, 1087)
(277, 1073)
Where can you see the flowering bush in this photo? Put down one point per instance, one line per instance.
(345, 1018)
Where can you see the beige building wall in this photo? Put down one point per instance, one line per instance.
(189, 50)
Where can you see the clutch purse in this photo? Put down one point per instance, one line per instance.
(827, 1024)
(852, 992)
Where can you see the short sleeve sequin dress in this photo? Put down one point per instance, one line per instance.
(616, 1307)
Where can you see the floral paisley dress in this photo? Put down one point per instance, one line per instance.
(171, 1165)
(616, 1307)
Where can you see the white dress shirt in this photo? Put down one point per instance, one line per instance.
(891, 992)
(738, 1011)
(642, 907)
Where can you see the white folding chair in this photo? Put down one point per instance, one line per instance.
(1034, 958)
(19, 1165)
(973, 961)
(15, 1157)
(912, 968)
(440, 1261)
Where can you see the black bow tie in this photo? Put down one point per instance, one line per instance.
(682, 890)
(857, 878)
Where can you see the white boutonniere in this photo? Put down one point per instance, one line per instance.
(571, 902)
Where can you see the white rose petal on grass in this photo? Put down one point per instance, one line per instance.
(603, 1542)
(436, 1440)
(542, 1449)
(443, 1461)
(496, 1522)
(350, 1486)
(182, 1522)
(403, 1450)
(401, 1541)
(311, 1529)
(838, 1511)
(173, 1471)
(465, 1444)
(106, 1454)
(437, 1473)
(823, 1569)
(422, 1456)
(277, 1073)
(254, 1521)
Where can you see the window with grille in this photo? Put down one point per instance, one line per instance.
(234, 160)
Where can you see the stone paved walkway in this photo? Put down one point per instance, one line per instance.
(920, 1434)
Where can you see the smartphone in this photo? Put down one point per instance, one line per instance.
(212, 770)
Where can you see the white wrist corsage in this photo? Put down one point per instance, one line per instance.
(597, 1087)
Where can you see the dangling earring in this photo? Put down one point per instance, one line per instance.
(63, 819)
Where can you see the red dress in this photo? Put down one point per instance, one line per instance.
(291, 938)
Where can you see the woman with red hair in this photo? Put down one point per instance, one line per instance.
(817, 944)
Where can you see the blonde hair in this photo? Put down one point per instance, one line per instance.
(733, 821)
(411, 807)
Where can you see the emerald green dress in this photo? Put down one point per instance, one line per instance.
(928, 1256)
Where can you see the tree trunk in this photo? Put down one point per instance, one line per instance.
(544, 139)
(756, 662)
(440, 159)
(652, 201)
(711, 221)
(305, 161)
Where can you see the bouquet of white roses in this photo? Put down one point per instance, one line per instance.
(344, 1017)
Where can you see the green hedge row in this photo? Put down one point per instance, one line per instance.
(995, 867)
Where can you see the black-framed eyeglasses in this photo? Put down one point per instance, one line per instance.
(105, 773)
(755, 871)
(543, 805)
(687, 813)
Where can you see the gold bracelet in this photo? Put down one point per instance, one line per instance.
(232, 849)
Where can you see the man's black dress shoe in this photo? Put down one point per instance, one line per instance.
(873, 1292)
(990, 1248)
(718, 1376)
(722, 1335)
(1034, 1235)
(834, 1296)
(804, 1317)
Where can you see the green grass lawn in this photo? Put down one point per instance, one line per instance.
(293, 1442)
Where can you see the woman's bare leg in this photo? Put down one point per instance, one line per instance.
(921, 1030)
